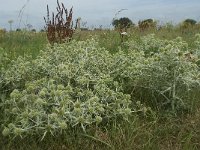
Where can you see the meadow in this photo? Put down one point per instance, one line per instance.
(96, 92)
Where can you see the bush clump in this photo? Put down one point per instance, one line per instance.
(80, 84)
(67, 85)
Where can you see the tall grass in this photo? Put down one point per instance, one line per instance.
(160, 134)
(22, 43)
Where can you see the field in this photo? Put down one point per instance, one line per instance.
(97, 92)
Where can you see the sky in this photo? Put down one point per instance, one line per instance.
(98, 12)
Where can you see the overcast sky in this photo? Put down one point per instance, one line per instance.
(98, 12)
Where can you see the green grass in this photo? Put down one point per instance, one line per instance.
(22, 43)
(29, 43)
(140, 133)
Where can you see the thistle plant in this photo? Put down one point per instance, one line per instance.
(80, 85)
(164, 71)
(68, 85)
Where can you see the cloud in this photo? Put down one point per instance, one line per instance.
(99, 12)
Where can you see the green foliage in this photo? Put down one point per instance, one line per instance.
(67, 85)
(188, 24)
(147, 23)
(22, 43)
(18, 30)
(122, 23)
(190, 21)
(81, 93)
(166, 77)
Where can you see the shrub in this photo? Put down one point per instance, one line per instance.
(80, 84)
(67, 85)
(166, 77)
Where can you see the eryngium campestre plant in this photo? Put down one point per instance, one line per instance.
(67, 85)
(167, 78)
(78, 84)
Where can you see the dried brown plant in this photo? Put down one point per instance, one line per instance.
(60, 27)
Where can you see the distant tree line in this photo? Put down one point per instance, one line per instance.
(147, 23)
(124, 23)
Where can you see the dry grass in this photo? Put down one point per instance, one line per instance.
(60, 27)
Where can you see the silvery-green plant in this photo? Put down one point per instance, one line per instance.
(151, 45)
(79, 84)
(165, 71)
(67, 85)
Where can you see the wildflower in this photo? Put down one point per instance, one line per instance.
(63, 125)
(124, 33)
(6, 132)
(98, 119)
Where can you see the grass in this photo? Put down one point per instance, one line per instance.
(162, 134)
(22, 43)
(30, 43)
(151, 131)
